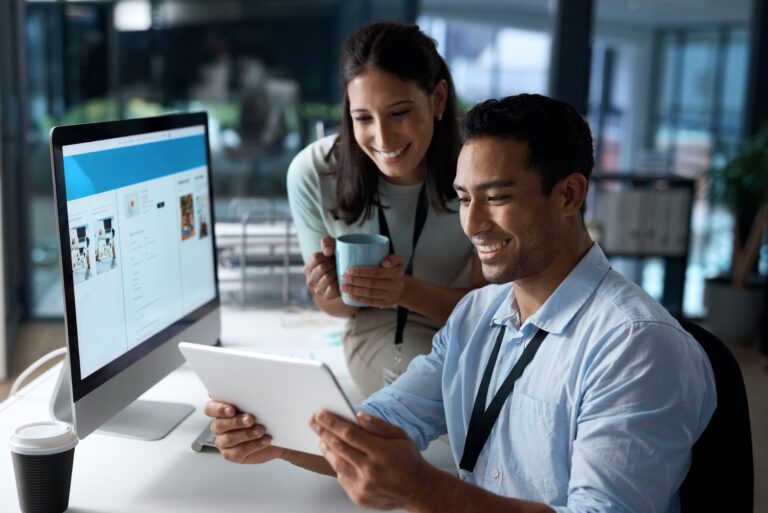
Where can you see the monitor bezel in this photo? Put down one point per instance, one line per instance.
(75, 134)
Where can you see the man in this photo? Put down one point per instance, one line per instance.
(605, 413)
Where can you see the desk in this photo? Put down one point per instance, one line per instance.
(114, 474)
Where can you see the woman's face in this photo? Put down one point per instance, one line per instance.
(393, 122)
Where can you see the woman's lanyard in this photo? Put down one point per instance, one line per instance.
(422, 208)
(482, 420)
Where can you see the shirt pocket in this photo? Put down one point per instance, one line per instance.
(539, 442)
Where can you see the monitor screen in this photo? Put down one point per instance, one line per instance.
(148, 192)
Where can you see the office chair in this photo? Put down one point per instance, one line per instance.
(721, 476)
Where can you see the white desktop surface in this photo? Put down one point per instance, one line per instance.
(114, 474)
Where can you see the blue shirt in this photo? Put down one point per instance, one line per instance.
(603, 418)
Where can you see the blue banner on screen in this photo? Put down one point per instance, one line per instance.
(91, 173)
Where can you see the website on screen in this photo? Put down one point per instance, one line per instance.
(139, 236)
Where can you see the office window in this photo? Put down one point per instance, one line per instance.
(490, 60)
(697, 123)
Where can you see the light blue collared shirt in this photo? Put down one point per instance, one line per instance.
(602, 420)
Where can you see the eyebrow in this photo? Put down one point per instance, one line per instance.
(396, 104)
(488, 185)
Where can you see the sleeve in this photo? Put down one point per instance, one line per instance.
(642, 410)
(415, 400)
(306, 202)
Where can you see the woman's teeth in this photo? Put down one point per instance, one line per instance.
(392, 154)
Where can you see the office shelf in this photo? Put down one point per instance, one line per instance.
(642, 217)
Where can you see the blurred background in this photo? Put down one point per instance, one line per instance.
(665, 85)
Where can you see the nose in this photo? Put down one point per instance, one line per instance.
(382, 134)
(474, 218)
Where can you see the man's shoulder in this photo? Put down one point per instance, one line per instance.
(623, 315)
(478, 302)
(623, 298)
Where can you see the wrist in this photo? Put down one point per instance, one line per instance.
(409, 285)
(430, 487)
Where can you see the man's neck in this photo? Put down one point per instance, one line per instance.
(532, 292)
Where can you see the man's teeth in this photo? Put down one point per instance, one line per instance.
(487, 248)
(393, 154)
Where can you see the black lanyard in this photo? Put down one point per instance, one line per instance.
(422, 208)
(482, 420)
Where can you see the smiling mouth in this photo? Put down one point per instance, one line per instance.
(392, 154)
(486, 249)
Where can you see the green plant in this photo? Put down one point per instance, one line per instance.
(742, 185)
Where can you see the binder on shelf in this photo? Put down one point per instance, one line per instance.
(644, 222)
(657, 241)
(679, 219)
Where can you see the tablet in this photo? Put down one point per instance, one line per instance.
(281, 392)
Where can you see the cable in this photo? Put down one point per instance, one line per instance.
(32, 368)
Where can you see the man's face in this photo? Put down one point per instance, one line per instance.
(503, 209)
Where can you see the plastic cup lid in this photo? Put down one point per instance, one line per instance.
(43, 438)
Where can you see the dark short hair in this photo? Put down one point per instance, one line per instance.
(408, 53)
(558, 138)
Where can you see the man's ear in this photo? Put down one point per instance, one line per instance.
(572, 193)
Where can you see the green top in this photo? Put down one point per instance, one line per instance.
(443, 254)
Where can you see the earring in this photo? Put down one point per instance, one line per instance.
(439, 117)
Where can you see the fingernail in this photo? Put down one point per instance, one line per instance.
(229, 411)
(258, 431)
(244, 419)
(322, 447)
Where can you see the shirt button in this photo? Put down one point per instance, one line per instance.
(495, 473)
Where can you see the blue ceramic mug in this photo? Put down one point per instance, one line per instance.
(359, 250)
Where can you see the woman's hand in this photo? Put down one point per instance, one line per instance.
(320, 272)
(380, 286)
(238, 437)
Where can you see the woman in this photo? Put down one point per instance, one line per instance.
(390, 171)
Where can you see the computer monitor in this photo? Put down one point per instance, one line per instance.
(155, 285)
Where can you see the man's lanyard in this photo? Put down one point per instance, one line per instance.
(422, 208)
(482, 420)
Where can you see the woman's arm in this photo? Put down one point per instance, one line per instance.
(388, 285)
(436, 302)
(335, 307)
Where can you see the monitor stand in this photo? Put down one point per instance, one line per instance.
(141, 420)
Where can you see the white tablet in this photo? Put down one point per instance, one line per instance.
(281, 392)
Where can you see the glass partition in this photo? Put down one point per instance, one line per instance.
(245, 63)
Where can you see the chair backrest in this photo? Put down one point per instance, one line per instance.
(721, 477)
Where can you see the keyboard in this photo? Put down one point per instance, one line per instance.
(205, 441)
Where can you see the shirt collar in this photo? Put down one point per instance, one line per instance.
(567, 299)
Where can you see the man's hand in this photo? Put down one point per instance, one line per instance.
(238, 437)
(376, 463)
(376, 286)
(320, 272)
